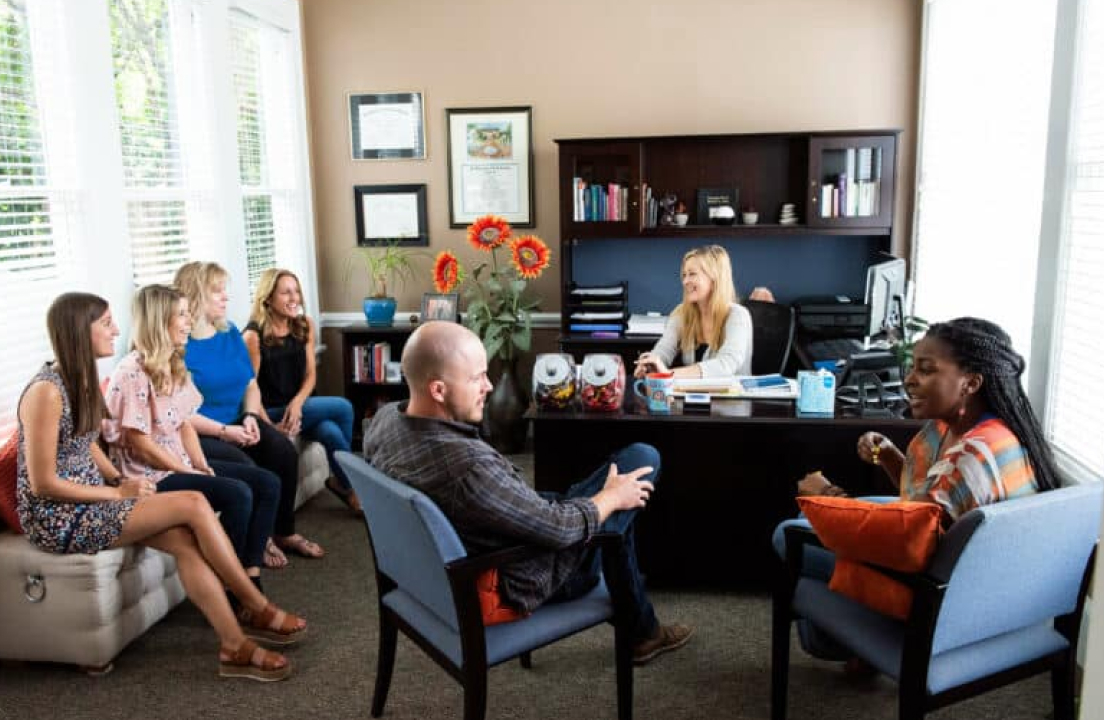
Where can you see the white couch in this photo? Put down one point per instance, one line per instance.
(84, 609)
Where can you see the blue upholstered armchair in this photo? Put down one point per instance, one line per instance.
(427, 588)
(1001, 600)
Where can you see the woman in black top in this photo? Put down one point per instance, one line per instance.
(280, 338)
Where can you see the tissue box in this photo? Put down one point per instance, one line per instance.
(816, 392)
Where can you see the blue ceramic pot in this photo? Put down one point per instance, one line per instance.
(379, 312)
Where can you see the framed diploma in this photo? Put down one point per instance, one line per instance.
(387, 126)
(391, 214)
(490, 165)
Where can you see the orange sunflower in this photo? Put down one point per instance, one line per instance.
(530, 256)
(447, 273)
(488, 232)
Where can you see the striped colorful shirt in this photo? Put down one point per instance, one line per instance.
(985, 466)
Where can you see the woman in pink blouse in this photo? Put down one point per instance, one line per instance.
(151, 397)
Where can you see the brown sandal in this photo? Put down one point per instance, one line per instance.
(272, 625)
(254, 662)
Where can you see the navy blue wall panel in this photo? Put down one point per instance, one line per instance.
(791, 266)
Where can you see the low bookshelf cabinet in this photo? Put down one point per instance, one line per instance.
(367, 394)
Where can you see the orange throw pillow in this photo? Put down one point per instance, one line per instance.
(9, 449)
(901, 536)
(865, 585)
(492, 608)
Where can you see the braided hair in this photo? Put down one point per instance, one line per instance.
(982, 347)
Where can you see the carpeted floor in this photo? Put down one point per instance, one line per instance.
(722, 673)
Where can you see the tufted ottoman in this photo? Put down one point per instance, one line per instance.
(80, 609)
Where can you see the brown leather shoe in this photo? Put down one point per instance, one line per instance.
(666, 638)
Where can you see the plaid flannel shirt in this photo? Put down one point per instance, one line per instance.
(485, 497)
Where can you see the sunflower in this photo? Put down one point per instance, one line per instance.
(530, 256)
(488, 232)
(447, 273)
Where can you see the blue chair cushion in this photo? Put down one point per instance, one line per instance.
(880, 640)
(550, 622)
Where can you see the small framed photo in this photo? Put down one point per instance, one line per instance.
(387, 126)
(490, 165)
(388, 214)
(441, 306)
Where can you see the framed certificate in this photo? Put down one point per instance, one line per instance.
(391, 214)
(387, 126)
(490, 165)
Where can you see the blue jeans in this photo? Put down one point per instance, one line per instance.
(328, 420)
(245, 498)
(273, 453)
(627, 571)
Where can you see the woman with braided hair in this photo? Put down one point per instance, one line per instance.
(981, 444)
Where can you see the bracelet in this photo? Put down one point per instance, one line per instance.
(253, 415)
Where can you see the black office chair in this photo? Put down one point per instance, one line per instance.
(772, 331)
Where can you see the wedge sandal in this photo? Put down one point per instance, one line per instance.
(269, 626)
(255, 663)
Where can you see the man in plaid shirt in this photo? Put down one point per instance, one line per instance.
(431, 442)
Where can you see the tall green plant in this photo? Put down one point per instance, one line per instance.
(388, 263)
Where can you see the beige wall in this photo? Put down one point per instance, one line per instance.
(593, 68)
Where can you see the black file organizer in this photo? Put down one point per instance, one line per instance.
(613, 303)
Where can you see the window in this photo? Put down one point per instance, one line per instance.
(262, 90)
(1010, 196)
(32, 212)
(153, 168)
(1075, 400)
(980, 160)
(118, 124)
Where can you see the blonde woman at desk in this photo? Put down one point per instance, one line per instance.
(709, 333)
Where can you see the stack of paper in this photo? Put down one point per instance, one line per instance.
(649, 324)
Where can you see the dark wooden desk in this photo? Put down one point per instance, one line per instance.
(728, 477)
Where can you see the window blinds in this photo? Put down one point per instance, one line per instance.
(1075, 399)
(263, 82)
(152, 164)
(28, 255)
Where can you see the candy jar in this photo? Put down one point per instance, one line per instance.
(553, 381)
(603, 382)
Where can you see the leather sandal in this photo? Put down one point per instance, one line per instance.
(254, 662)
(272, 625)
(300, 546)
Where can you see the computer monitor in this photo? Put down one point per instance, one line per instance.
(885, 296)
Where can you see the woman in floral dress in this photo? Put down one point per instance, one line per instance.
(151, 399)
(71, 499)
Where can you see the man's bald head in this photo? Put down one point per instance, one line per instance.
(431, 349)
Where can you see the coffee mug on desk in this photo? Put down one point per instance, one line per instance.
(657, 389)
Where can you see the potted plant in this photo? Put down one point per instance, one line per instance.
(390, 263)
(905, 338)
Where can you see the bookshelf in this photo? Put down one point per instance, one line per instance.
(767, 169)
(367, 395)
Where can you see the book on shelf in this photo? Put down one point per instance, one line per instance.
(370, 362)
(598, 202)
